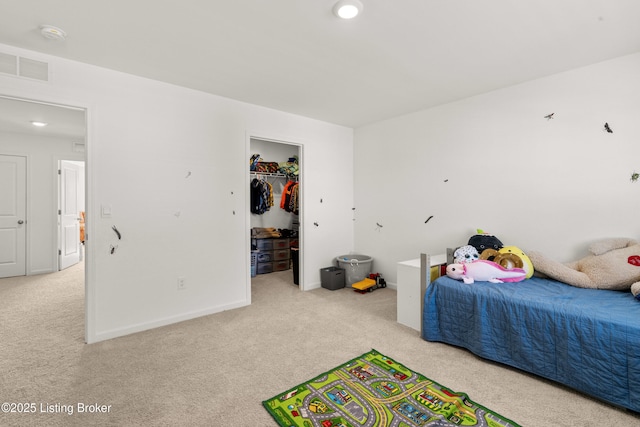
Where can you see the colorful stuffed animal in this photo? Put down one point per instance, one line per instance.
(510, 257)
(484, 271)
(465, 254)
(613, 264)
(483, 241)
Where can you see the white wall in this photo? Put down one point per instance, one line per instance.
(494, 162)
(144, 139)
(42, 188)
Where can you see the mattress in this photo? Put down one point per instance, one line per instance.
(586, 339)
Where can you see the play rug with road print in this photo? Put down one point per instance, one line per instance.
(376, 391)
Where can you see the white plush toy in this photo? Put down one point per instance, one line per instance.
(465, 254)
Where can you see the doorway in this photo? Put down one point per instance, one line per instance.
(279, 253)
(42, 134)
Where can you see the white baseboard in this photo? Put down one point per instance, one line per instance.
(120, 332)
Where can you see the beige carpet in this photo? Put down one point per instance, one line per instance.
(215, 371)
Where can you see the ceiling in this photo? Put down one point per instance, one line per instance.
(62, 122)
(397, 57)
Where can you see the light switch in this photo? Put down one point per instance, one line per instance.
(106, 211)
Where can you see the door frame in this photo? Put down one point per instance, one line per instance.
(59, 190)
(301, 164)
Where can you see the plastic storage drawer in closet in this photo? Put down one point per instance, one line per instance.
(273, 255)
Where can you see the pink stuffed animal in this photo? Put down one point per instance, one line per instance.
(484, 271)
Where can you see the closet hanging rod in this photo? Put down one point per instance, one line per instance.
(273, 175)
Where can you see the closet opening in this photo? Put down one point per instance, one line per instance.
(275, 179)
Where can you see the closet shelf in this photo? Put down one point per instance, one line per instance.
(272, 175)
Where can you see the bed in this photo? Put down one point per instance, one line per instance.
(586, 339)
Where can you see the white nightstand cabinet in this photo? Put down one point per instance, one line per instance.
(410, 293)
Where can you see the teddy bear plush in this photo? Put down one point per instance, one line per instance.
(613, 264)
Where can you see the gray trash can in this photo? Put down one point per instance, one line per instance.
(356, 267)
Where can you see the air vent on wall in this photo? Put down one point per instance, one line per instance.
(33, 69)
(8, 64)
(24, 67)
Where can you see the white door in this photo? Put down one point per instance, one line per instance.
(69, 252)
(13, 209)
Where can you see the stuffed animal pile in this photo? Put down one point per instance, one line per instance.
(613, 264)
(486, 259)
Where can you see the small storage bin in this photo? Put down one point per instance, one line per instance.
(265, 256)
(264, 244)
(281, 254)
(267, 267)
(332, 278)
(281, 265)
(280, 243)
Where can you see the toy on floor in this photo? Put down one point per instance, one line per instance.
(369, 284)
(614, 264)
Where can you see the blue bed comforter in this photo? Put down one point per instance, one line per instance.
(586, 339)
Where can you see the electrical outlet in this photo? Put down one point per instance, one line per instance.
(181, 283)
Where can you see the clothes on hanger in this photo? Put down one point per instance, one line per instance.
(261, 196)
(293, 202)
(290, 200)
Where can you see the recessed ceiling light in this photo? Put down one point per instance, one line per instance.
(347, 9)
(52, 33)
(39, 124)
